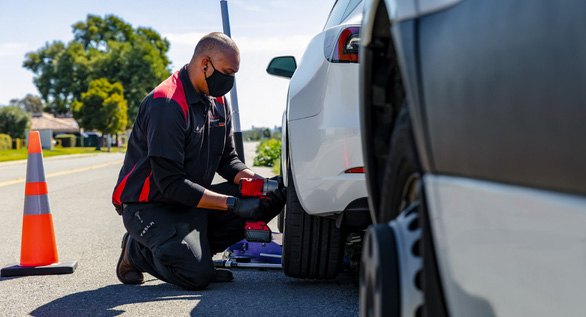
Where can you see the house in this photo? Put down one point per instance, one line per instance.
(49, 126)
(45, 121)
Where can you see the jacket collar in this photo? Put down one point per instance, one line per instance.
(191, 95)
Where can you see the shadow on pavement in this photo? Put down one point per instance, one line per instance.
(277, 295)
(102, 301)
(265, 293)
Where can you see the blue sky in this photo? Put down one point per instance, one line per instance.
(262, 30)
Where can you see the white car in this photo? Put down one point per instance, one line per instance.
(321, 159)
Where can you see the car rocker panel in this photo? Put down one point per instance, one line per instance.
(503, 249)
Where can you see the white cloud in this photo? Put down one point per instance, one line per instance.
(190, 38)
(267, 44)
(246, 5)
(273, 44)
(286, 4)
(12, 49)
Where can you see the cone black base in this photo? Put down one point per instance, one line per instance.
(64, 267)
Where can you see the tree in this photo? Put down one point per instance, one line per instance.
(106, 48)
(137, 65)
(42, 63)
(30, 104)
(14, 121)
(102, 107)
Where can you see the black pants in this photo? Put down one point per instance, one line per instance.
(176, 244)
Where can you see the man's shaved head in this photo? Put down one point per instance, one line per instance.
(215, 52)
(213, 44)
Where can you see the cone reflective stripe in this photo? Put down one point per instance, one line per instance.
(38, 253)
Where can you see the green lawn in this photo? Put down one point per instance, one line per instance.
(22, 154)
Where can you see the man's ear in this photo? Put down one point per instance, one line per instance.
(204, 63)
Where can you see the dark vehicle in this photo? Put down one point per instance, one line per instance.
(473, 124)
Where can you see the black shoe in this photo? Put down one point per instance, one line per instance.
(125, 272)
(223, 276)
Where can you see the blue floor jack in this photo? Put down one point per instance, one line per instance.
(262, 249)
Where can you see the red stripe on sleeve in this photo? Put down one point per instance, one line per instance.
(172, 88)
(120, 188)
(146, 188)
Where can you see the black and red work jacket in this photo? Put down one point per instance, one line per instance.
(178, 142)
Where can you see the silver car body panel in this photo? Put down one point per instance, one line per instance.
(507, 250)
(430, 6)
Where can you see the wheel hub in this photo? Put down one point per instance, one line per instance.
(391, 267)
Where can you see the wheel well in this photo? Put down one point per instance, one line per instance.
(382, 96)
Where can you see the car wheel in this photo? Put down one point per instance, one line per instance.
(391, 267)
(391, 264)
(281, 216)
(402, 174)
(313, 247)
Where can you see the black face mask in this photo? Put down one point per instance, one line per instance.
(219, 84)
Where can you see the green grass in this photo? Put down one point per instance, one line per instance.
(22, 154)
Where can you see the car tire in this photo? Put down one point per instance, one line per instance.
(402, 172)
(313, 247)
(281, 216)
(281, 219)
(391, 267)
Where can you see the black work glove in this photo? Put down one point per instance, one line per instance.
(248, 208)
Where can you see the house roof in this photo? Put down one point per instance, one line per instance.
(59, 125)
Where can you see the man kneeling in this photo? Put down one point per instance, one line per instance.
(175, 219)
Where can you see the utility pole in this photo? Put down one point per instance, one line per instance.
(233, 94)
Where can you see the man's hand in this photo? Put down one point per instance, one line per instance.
(248, 208)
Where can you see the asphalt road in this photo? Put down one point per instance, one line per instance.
(88, 230)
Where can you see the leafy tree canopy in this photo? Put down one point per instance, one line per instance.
(14, 121)
(106, 48)
(30, 104)
(102, 107)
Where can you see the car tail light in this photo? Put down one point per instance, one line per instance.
(346, 50)
(355, 170)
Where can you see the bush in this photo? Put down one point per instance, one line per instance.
(268, 152)
(14, 122)
(277, 166)
(67, 140)
(5, 142)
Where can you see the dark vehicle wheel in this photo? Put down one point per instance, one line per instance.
(398, 256)
(379, 288)
(312, 246)
(402, 172)
(391, 268)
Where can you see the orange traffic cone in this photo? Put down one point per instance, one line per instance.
(38, 252)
